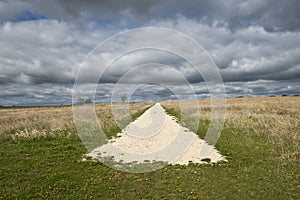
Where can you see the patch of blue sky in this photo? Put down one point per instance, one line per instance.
(29, 16)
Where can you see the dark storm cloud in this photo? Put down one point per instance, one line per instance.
(262, 88)
(20, 94)
(41, 94)
(271, 14)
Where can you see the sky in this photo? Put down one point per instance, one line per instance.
(255, 45)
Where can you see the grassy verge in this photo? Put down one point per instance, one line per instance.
(50, 168)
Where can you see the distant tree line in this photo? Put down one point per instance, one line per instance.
(283, 95)
(81, 100)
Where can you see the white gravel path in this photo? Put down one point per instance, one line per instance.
(156, 136)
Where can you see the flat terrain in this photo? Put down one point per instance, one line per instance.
(41, 155)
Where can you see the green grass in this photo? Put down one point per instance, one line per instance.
(50, 168)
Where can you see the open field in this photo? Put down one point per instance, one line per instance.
(35, 122)
(41, 156)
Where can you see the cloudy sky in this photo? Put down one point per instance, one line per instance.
(255, 45)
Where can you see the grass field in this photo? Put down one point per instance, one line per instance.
(40, 156)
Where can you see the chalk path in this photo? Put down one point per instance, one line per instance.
(156, 136)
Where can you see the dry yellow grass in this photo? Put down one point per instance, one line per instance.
(35, 122)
